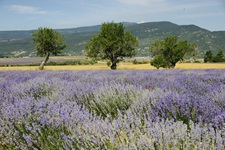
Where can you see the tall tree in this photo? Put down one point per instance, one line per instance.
(208, 56)
(219, 56)
(112, 42)
(48, 41)
(169, 51)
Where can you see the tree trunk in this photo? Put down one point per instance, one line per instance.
(113, 66)
(173, 65)
(114, 61)
(41, 67)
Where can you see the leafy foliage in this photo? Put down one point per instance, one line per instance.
(219, 56)
(169, 51)
(158, 62)
(210, 58)
(112, 42)
(48, 42)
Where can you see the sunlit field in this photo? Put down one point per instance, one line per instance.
(120, 67)
(179, 109)
(92, 107)
(127, 64)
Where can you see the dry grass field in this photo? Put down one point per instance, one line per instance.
(121, 66)
(200, 66)
(101, 65)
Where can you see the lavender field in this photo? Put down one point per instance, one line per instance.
(115, 110)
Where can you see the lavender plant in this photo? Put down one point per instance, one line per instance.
(163, 109)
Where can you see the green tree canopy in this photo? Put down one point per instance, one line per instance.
(169, 51)
(219, 56)
(112, 42)
(48, 41)
(208, 56)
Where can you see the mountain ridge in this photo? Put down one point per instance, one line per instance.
(19, 43)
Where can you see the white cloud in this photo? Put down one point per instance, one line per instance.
(142, 22)
(22, 9)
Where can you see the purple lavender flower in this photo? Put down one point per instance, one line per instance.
(182, 109)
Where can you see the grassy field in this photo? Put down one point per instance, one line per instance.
(121, 66)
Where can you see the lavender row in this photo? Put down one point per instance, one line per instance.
(165, 109)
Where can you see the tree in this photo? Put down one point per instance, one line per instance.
(158, 62)
(112, 43)
(48, 41)
(219, 56)
(208, 56)
(169, 51)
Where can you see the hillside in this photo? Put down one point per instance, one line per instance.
(19, 43)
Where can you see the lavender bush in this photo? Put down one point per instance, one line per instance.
(163, 109)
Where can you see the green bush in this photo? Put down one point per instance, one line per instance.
(135, 61)
(109, 63)
(140, 62)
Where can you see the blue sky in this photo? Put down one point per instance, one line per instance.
(57, 14)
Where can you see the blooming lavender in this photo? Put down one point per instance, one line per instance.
(163, 109)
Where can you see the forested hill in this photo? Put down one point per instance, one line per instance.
(19, 43)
